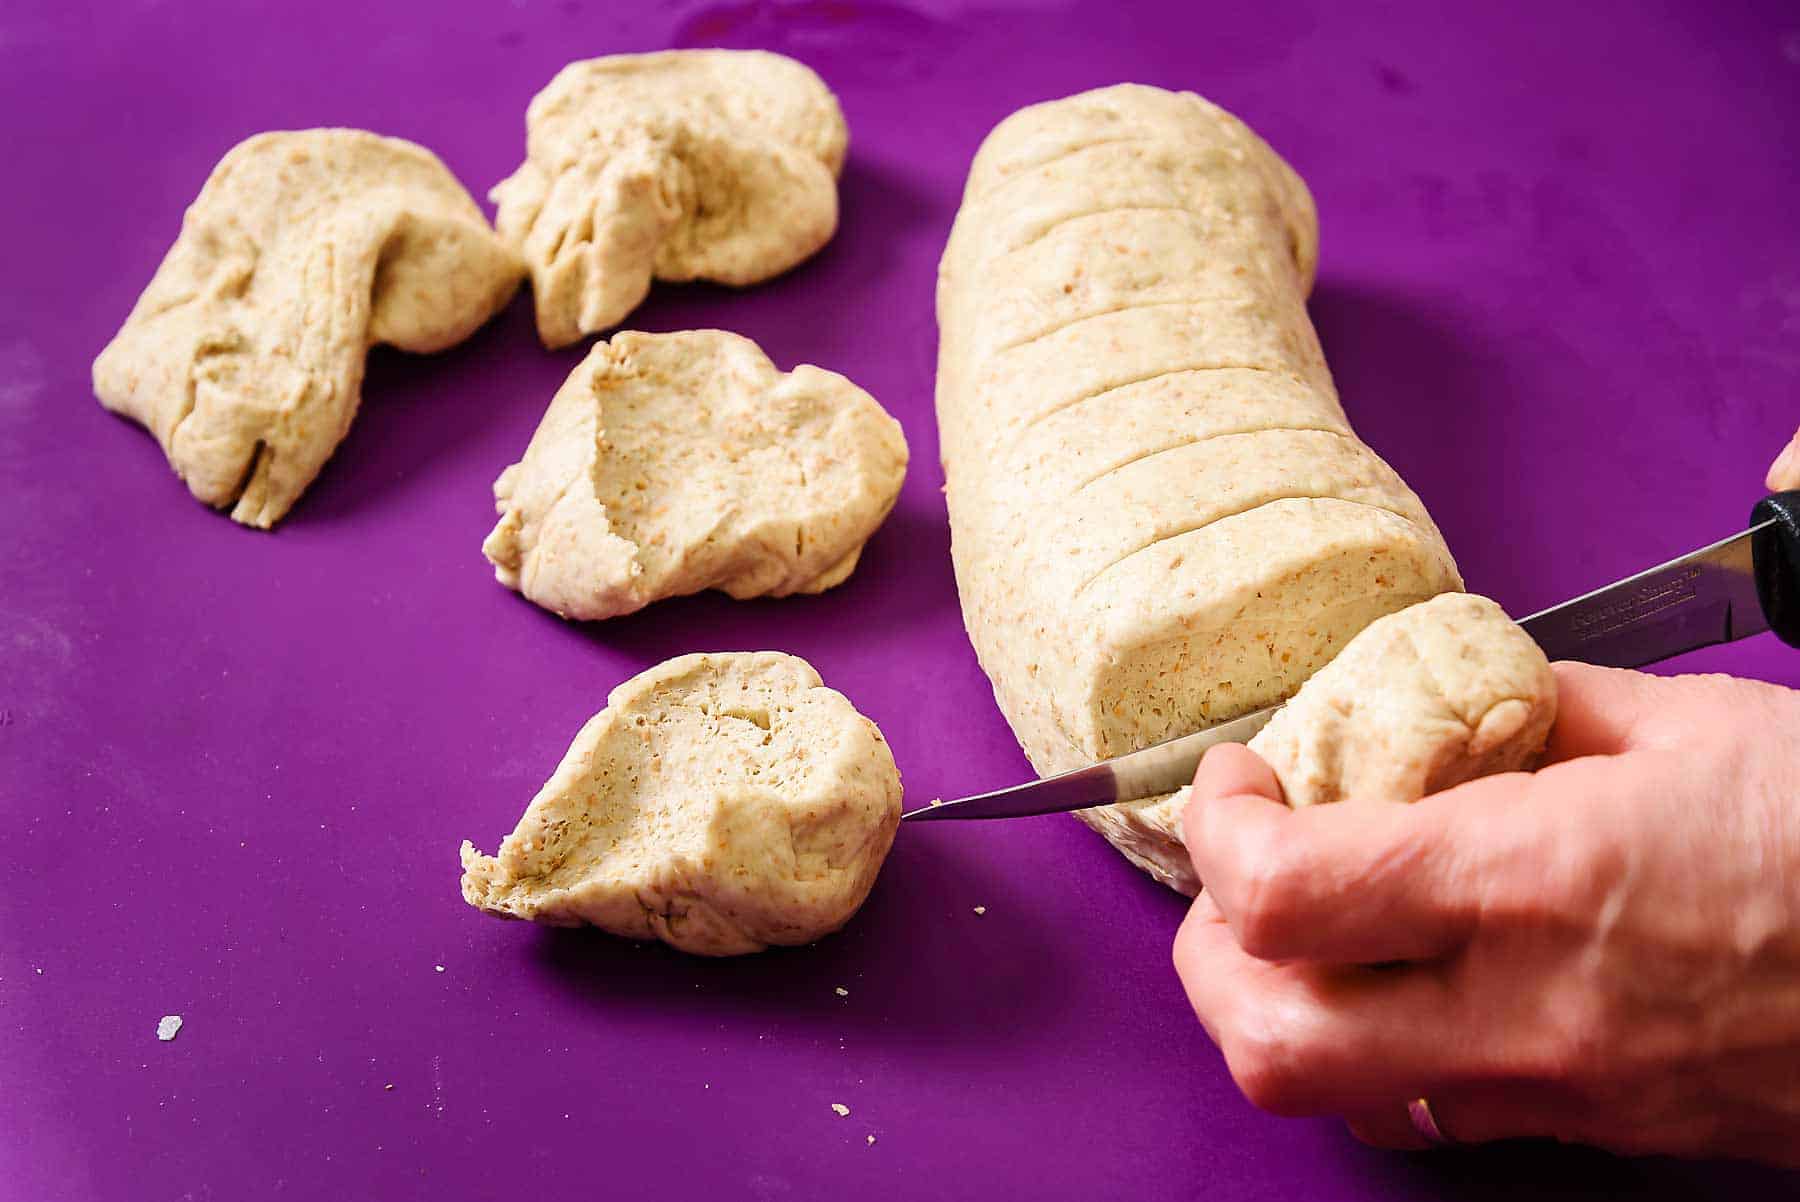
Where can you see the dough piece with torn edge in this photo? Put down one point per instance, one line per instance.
(719, 803)
(1439, 693)
(244, 356)
(669, 464)
(716, 165)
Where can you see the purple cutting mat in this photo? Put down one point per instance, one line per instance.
(1560, 291)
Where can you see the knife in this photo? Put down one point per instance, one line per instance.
(1729, 590)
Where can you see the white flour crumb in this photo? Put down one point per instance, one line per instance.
(871, 1141)
(168, 1026)
(981, 909)
(389, 1085)
(437, 968)
(841, 991)
(843, 1111)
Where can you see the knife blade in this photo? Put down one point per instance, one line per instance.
(1161, 768)
(1695, 600)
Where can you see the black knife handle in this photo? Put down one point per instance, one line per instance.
(1777, 555)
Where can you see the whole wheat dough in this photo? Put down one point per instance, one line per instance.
(1160, 517)
(245, 354)
(719, 803)
(1437, 694)
(687, 164)
(672, 463)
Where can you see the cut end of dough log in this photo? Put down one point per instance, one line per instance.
(1421, 700)
(244, 356)
(1424, 699)
(719, 803)
(669, 464)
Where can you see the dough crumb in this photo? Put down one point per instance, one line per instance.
(843, 1111)
(871, 1141)
(437, 968)
(389, 1086)
(841, 991)
(167, 1027)
(980, 910)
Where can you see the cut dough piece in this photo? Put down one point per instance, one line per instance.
(1437, 694)
(244, 356)
(687, 164)
(669, 464)
(719, 803)
(1430, 697)
(1160, 517)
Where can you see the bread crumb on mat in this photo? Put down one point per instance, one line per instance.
(843, 1111)
(168, 1026)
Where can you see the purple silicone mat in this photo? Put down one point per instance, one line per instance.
(1560, 292)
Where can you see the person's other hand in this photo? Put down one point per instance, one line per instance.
(1605, 951)
(1784, 473)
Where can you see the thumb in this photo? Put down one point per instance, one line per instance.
(1784, 473)
(1601, 711)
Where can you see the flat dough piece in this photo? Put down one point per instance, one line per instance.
(719, 803)
(669, 464)
(244, 356)
(1160, 517)
(1440, 693)
(717, 165)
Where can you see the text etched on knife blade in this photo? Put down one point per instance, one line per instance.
(1644, 601)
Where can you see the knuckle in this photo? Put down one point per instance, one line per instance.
(1270, 1061)
(1552, 878)
(1576, 1049)
(1263, 1082)
(1185, 953)
(1267, 901)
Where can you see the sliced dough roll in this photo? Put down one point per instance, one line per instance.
(719, 803)
(1160, 516)
(670, 464)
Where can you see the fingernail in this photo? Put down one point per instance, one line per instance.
(1784, 473)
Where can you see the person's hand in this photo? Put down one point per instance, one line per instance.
(1784, 473)
(1605, 951)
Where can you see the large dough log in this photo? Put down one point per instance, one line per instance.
(1160, 517)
